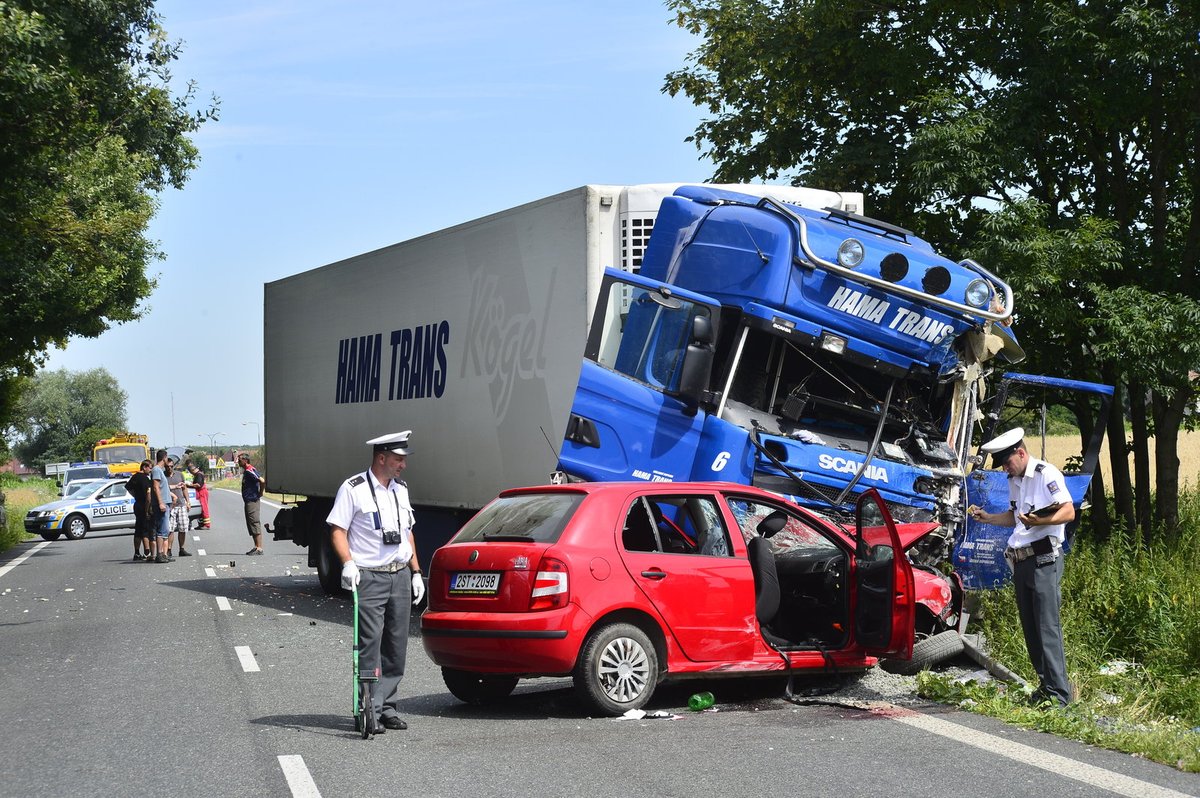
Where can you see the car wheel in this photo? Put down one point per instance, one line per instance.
(927, 652)
(76, 527)
(478, 688)
(618, 669)
(50, 535)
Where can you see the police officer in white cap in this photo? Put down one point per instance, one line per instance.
(1039, 509)
(372, 521)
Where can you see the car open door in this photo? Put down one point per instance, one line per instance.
(884, 602)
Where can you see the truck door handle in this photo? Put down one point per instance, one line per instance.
(655, 574)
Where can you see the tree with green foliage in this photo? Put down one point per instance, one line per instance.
(62, 411)
(1055, 141)
(89, 134)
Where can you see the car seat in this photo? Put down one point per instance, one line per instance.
(766, 578)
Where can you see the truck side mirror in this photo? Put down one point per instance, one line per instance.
(697, 362)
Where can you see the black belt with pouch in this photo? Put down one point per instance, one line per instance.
(1044, 550)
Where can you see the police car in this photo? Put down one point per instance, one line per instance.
(102, 504)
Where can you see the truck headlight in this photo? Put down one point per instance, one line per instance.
(978, 293)
(850, 253)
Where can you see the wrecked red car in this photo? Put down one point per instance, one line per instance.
(624, 585)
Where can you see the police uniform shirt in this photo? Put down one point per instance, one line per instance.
(1042, 485)
(354, 510)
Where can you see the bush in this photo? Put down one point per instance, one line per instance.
(1131, 622)
(20, 496)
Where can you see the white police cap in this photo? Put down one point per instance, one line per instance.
(396, 442)
(1003, 445)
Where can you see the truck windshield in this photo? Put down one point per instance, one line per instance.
(814, 396)
(120, 454)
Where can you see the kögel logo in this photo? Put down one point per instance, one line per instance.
(505, 343)
(416, 364)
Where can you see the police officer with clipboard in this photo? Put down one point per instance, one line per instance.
(1040, 507)
(371, 523)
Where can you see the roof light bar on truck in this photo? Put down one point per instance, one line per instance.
(875, 282)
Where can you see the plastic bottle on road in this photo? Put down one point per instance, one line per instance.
(701, 701)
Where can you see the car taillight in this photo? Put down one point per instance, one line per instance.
(550, 586)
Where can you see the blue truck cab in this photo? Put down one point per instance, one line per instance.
(812, 352)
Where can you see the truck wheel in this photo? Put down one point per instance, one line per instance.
(927, 652)
(478, 688)
(50, 535)
(329, 567)
(76, 527)
(618, 669)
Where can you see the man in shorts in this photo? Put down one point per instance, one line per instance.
(252, 491)
(160, 496)
(138, 487)
(181, 507)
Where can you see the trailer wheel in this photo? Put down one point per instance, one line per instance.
(329, 567)
(927, 652)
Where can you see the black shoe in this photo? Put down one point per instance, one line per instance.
(254, 552)
(161, 558)
(184, 553)
(392, 722)
(137, 557)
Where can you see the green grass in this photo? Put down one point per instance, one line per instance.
(20, 497)
(1131, 623)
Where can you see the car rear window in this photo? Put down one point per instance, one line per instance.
(536, 517)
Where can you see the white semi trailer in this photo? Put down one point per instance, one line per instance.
(472, 337)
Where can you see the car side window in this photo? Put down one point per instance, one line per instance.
(676, 525)
(798, 534)
(114, 492)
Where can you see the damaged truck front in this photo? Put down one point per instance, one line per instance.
(816, 353)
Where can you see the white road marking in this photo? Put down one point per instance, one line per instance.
(223, 604)
(201, 552)
(1090, 775)
(298, 778)
(210, 571)
(195, 537)
(246, 657)
(24, 557)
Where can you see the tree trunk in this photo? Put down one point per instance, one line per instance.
(1101, 523)
(1168, 417)
(1118, 455)
(1141, 456)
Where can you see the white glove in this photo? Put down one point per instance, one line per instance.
(418, 584)
(350, 575)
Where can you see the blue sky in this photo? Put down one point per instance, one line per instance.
(348, 126)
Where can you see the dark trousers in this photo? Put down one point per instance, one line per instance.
(384, 605)
(1039, 595)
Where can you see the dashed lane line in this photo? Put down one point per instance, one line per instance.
(210, 572)
(223, 604)
(5, 569)
(299, 780)
(246, 657)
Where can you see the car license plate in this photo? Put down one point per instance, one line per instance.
(474, 583)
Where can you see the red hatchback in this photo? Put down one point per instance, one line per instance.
(623, 585)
